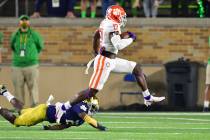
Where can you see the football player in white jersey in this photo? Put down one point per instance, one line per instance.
(107, 43)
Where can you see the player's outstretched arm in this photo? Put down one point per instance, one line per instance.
(56, 127)
(91, 121)
(96, 42)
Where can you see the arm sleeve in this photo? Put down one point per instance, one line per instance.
(38, 41)
(12, 41)
(120, 43)
(96, 42)
(38, 4)
(90, 121)
(57, 127)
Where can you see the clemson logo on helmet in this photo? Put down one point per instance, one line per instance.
(117, 14)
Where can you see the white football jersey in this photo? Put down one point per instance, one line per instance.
(106, 27)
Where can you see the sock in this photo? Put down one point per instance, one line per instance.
(146, 94)
(93, 14)
(206, 104)
(67, 105)
(8, 95)
(83, 14)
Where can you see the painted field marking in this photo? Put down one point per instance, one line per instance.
(29, 138)
(156, 113)
(156, 118)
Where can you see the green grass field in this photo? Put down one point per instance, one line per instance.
(122, 126)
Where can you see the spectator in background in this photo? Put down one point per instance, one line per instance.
(151, 7)
(207, 90)
(56, 8)
(84, 8)
(105, 4)
(134, 4)
(175, 7)
(207, 8)
(26, 44)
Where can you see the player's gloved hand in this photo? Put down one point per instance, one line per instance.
(46, 127)
(101, 127)
(150, 99)
(132, 35)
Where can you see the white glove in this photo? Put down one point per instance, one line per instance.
(149, 101)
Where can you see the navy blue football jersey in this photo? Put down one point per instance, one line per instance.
(70, 116)
(72, 113)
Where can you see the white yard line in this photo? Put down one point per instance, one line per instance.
(156, 118)
(6, 123)
(106, 133)
(156, 113)
(30, 138)
(146, 122)
(133, 127)
(143, 127)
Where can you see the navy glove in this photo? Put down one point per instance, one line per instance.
(132, 35)
(46, 127)
(101, 127)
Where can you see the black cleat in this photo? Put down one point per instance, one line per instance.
(3, 89)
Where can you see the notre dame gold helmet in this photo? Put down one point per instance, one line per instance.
(93, 104)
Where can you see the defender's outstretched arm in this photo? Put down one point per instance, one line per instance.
(56, 127)
(91, 121)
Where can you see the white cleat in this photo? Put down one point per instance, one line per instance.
(153, 99)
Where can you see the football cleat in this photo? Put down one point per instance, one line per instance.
(3, 89)
(152, 99)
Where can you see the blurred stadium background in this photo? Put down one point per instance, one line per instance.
(18, 7)
(68, 49)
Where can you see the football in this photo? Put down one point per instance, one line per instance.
(124, 35)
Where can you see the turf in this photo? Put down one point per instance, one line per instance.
(122, 126)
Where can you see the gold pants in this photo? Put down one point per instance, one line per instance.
(31, 116)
